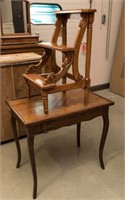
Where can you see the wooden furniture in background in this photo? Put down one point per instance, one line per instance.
(13, 86)
(77, 106)
(13, 20)
(13, 41)
(49, 83)
(12, 81)
(20, 44)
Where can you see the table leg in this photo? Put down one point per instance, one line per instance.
(103, 138)
(14, 128)
(78, 134)
(30, 142)
(45, 102)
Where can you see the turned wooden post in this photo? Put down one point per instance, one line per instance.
(88, 49)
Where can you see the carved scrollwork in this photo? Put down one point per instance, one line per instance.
(50, 78)
(80, 77)
(57, 23)
(36, 68)
(65, 18)
(65, 67)
(83, 20)
(32, 68)
(67, 60)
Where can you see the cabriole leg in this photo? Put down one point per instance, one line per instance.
(78, 134)
(30, 142)
(14, 128)
(103, 138)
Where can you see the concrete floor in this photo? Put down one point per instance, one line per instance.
(66, 172)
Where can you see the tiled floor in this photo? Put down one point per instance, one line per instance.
(64, 171)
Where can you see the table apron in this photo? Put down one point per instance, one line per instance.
(67, 120)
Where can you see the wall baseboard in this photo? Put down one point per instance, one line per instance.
(99, 87)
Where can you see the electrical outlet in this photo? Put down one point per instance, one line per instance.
(103, 18)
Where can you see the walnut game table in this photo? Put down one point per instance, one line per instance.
(65, 109)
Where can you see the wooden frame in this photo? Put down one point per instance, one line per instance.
(48, 83)
(63, 112)
(28, 19)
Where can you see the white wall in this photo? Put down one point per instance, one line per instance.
(46, 31)
(100, 65)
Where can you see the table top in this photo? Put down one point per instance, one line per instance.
(30, 111)
(14, 59)
(75, 11)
